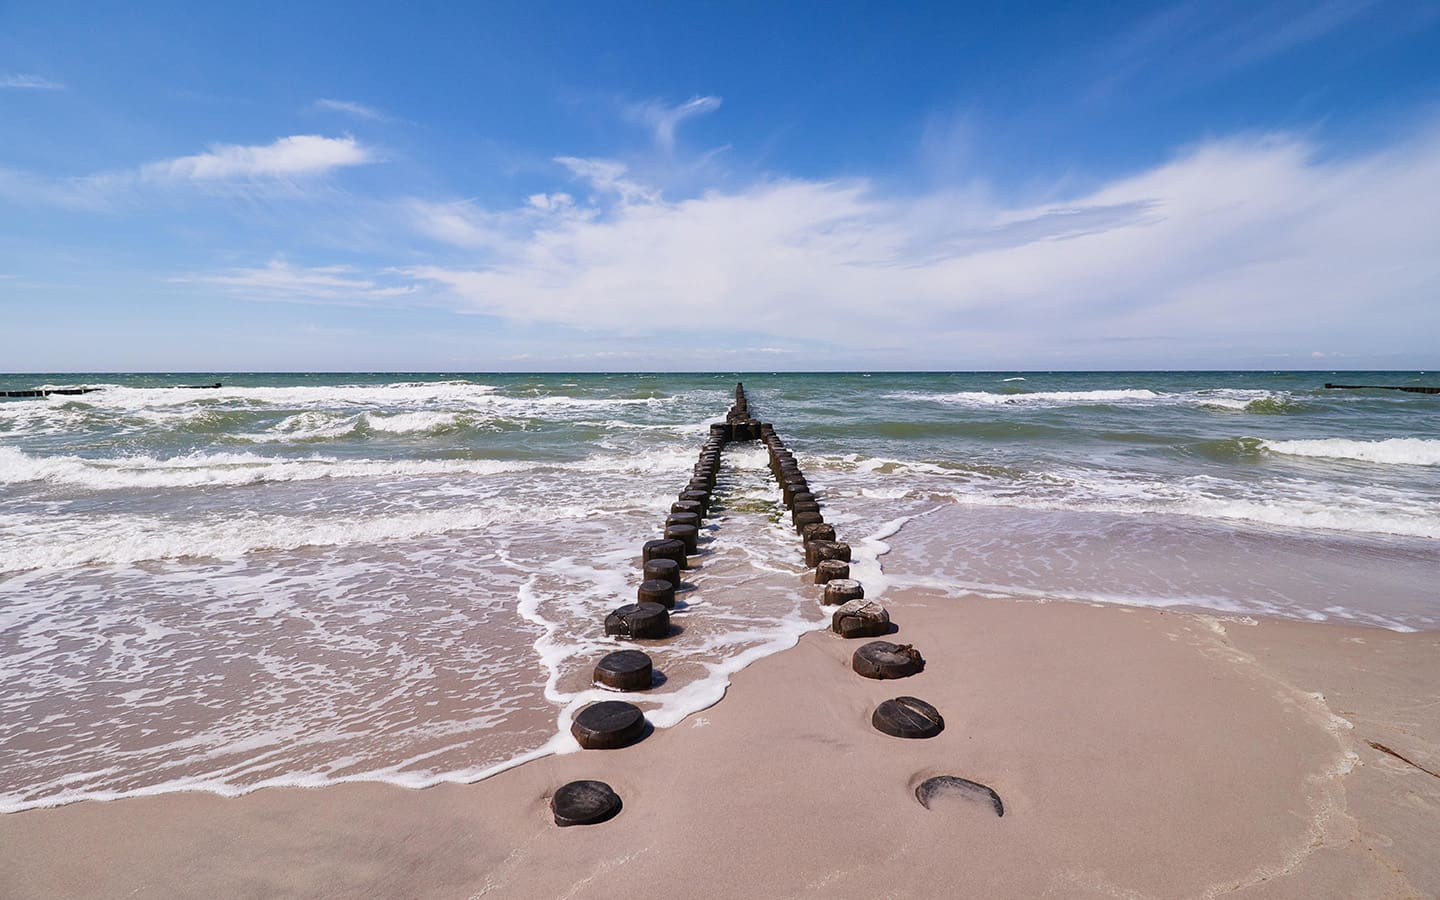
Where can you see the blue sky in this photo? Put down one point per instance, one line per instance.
(467, 187)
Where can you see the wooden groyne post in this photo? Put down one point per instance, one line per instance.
(1413, 389)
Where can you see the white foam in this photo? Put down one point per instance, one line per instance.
(225, 469)
(1393, 451)
(412, 423)
(1288, 503)
(35, 543)
(1214, 398)
(1057, 398)
(246, 468)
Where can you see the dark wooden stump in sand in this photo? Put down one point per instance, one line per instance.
(683, 518)
(657, 590)
(831, 569)
(666, 570)
(700, 497)
(818, 550)
(882, 660)
(940, 787)
(806, 518)
(625, 670)
(687, 506)
(802, 507)
(907, 717)
(584, 803)
(645, 621)
(688, 535)
(818, 531)
(667, 548)
(860, 618)
(608, 724)
(842, 590)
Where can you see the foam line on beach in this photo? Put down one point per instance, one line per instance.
(1196, 603)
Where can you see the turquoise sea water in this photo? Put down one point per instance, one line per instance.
(305, 578)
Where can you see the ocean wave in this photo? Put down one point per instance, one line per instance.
(236, 469)
(1236, 399)
(1393, 451)
(1057, 398)
(126, 539)
(175, 407)
(225, 469)
(1289, 503)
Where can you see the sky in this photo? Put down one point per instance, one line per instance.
(449, 187)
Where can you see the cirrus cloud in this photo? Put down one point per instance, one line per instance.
(1243, 246)
(288, 157)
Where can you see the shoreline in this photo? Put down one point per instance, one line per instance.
(1165, 753)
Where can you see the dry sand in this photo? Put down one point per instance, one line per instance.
(1138, 753)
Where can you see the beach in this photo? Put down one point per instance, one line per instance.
(1137, 752)
(325, 635)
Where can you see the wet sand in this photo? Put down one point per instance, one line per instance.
(1138, 753)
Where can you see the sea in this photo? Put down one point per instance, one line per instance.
(304, 579)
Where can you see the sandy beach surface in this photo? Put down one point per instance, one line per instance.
(1138, 753)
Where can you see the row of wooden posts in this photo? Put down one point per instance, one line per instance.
(616, 723)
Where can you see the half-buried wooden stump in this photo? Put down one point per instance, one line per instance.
(625, 670)
(608, 724)
(860, 618)
(639, 620)
(842, 590)
(819, 531)
(663, 570)
(701, 497)
(818, 550)
(584, 803)
(665, 549)
(941, 787)
(831, 569)
(806, 518)
(907, 717)
(882, 660)
(688, 535)
(657, 590)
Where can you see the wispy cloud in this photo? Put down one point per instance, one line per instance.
(279, 280)
(662, 119)
(289, 157)
(25, 82)
(350, 107)
(281, 165)
(1192, 42)
(608, 177)
(463, 223)
(1240, 243)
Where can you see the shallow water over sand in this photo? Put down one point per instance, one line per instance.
(304, 579)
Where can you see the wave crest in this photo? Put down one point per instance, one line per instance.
(1393, 451)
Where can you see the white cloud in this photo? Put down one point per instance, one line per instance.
(463, 223)
(607, 176)
(1240, 246)
(281, 167)
(279, 280)
(350, 107)
(288, 157)
(21, 81)
(662, 120)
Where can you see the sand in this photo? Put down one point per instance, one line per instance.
(1138, 753)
